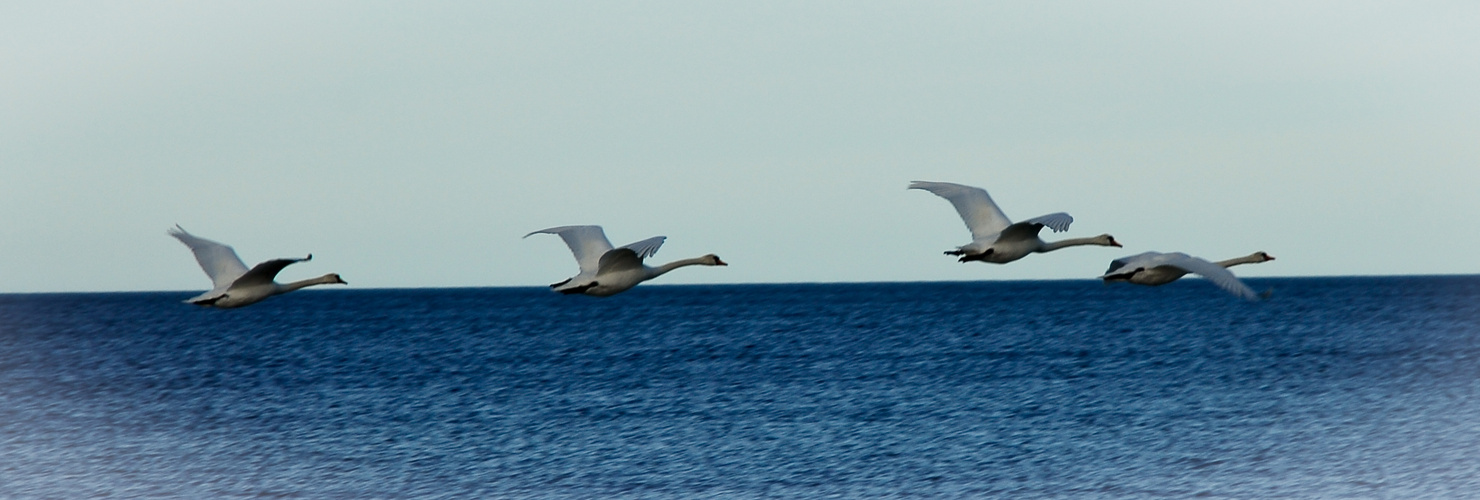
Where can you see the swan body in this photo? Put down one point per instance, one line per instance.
(607, 271)
(994, 237)
(1156, 268)
(233, 284)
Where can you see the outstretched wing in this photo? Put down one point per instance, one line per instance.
(1058, 222)
(1129, 263)
(620, 259)
(646, 248)
(219, 261)
(629, 256)
(588, 243)
(264, 273)
(977, 210)
(1213, 272)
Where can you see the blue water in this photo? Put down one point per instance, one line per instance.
(1333, 388)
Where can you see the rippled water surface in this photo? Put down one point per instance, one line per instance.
(1340, 387)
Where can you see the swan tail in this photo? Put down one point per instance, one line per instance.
(578, 289)
(968, 257)
(208, 302)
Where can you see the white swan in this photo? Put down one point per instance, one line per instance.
(607, 271)
(234, 285)
(1156, 268)
(994, 237)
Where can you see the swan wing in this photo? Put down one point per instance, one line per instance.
(1019, 231)
(1130, 263)
(264, 273)
(629, 256)
(1213, 272)
(981, 215)
(588, 243)
(620, 259)
(1029, 229)
(1058, 222)
(219, 261)
(646, 248)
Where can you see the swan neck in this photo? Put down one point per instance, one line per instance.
(658, 271)
(1071, 242)
(1247, 259)
(321, 280)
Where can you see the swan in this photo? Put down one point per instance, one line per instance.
(1156, 268)
(994, 237)
(607, 271)
(233, 284)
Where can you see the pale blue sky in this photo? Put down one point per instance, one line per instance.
(412, 144)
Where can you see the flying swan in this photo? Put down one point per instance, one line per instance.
(233, 284)
(994, 237)
(1156, 268)
(607, 271)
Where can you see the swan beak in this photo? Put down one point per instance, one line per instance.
(718, 262)
(1268, 257)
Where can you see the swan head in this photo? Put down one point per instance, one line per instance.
(1106, 240)
(333, 278)
(712, 260)
(1263, 257)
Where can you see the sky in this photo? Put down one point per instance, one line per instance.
(413, 144)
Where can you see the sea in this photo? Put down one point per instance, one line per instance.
(1350, 387)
